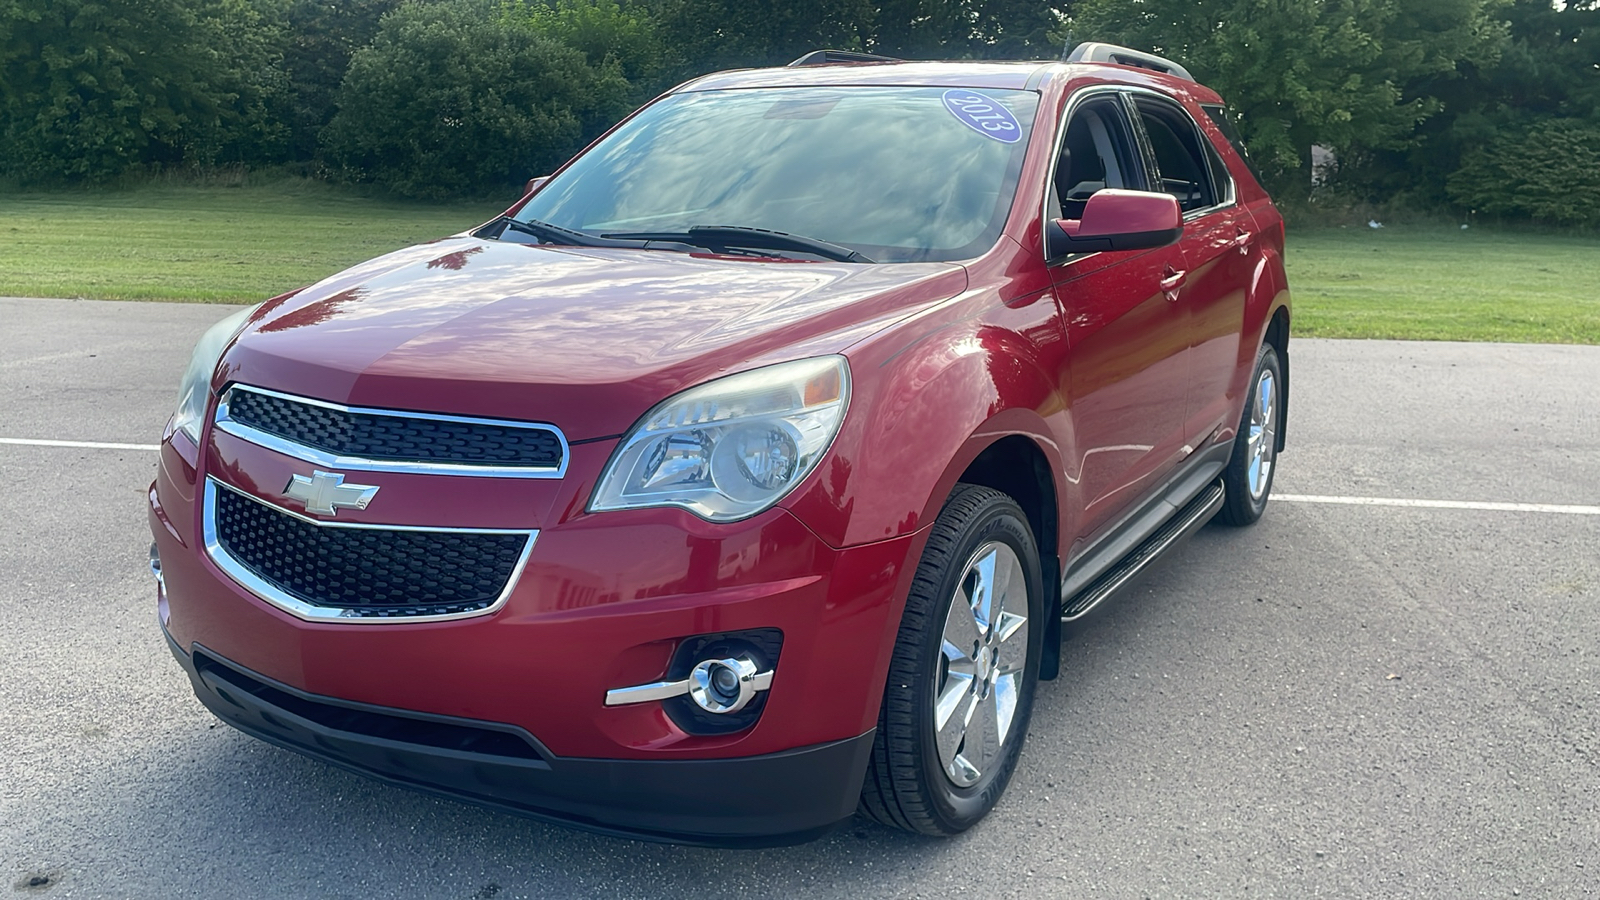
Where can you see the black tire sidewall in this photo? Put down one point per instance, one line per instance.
(957, 807)
(1241, 508)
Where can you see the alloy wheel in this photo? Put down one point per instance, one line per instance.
(983, 658)
(1263, 438)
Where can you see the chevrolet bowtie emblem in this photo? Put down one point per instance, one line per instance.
(324, 492)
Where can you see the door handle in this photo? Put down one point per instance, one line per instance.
(1242, 241)
(1171, 280)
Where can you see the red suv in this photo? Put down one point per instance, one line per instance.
(744, 473)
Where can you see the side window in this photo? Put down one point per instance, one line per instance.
(1184, 170)
(1097, 152)
(1224, 122)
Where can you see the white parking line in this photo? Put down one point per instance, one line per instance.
(1443, 504)
(84, 445)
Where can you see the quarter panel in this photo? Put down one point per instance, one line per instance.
(1216, 296)
(1268, 292)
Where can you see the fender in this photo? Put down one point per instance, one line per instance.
(932, 406)
(921, 412)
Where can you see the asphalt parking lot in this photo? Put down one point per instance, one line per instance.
(1344, 701)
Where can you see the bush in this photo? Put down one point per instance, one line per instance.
(608, 35)
(318, 40)
(455, 98)
(90, 89)
(1548, 173)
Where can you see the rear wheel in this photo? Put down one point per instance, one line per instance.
(961, 681)
(1248, 478)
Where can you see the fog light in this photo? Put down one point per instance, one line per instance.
(715, 685)
(155, 564)
(725, 681)
(723, 685)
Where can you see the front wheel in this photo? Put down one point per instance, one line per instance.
(961, 680)
(1248, 478)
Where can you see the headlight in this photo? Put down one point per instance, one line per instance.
(196, 387)
(733, 447)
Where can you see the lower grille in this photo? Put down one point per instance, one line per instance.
(433, 731)
(355, 571)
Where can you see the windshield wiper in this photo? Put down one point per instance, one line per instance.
(555, 234)
(718, 237)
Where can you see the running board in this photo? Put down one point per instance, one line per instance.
(1186, 522)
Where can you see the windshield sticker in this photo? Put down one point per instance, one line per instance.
(983, 115)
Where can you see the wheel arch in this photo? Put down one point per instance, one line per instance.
(1278, 336)
(1267, 315)
(1016, 465)
(973, 395)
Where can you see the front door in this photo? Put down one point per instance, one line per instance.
(1127, 335)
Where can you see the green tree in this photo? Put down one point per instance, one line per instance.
(92, 88)
(1548, 173)
(1552, 66)
(608, 35)
(318, 39)
(1339, 73)
(983, 29)
(454, 98)
(1549, 69)
(708, 35)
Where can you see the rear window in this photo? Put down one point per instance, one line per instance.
(1176, 142)
(1224, 122)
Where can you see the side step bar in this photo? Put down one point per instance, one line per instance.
(1186, 522)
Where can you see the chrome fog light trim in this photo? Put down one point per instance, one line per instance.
(707, 685)
(155, 564)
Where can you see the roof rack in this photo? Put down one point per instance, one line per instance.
(834, 57)
(1126, 56)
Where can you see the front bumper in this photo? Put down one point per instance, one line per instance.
(602, 604)
(776, 799)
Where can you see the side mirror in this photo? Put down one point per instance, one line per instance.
(533, 184)
(1118, 220)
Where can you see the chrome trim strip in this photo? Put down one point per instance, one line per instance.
(356, 463)
(644, 693)
(666, 690)
(265, 590)
(155, 566)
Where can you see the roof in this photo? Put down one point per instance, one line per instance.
(975, 74)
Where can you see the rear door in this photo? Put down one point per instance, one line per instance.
(1128, 342)
(1218, 238)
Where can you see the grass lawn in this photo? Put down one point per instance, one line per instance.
(202, 243)
(1431, 283)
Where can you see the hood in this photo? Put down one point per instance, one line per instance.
(587, 339)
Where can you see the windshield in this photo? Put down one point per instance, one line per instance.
(896, 173)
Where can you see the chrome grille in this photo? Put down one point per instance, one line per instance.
(345, 571)
(361, 438)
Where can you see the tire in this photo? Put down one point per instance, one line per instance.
(915, 782)
(1248, 490)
